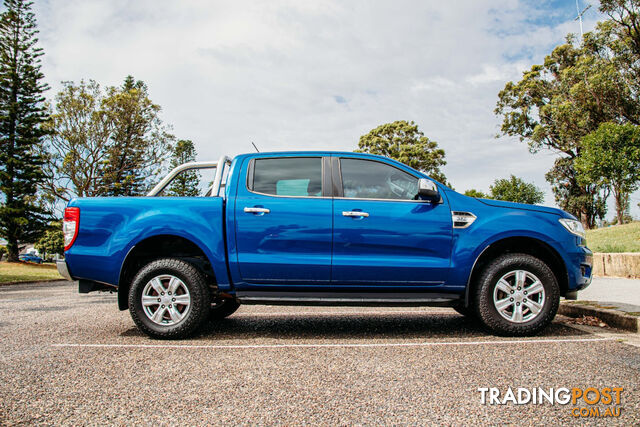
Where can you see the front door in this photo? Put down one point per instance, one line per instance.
(383, 236)
(283, 223)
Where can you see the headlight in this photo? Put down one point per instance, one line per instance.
(573, 226)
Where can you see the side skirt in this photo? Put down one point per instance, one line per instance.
(360, 299)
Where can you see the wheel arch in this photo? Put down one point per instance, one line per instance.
(519, 244)
(159, 246)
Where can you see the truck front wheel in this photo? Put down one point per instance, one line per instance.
(517, 295)
(169, 299)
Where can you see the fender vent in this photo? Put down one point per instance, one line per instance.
(462, 219)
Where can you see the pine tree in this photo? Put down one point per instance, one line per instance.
(185, 184)
(22, 114)
(140, 142)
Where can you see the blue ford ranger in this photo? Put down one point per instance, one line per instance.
(327, 228)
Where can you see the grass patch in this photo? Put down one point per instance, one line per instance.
(617, 238)
(23, 272)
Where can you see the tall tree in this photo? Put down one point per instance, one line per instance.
(140, 140)
(186, 184)
(515, 189)
(557, 103)
(578, 88)
(111, 143)
(403, 141)
(611, 156)
(80, 134)
(22, 114)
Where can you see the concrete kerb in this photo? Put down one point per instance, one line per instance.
(27, 282)
(621, 316)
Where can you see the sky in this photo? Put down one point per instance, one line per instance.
(316, 75)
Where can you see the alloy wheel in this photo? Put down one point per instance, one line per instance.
(519, 296)
(166, 300)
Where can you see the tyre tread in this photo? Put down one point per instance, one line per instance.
(198, 288)
(484, 296)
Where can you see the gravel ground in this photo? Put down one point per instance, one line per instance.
(357, 366)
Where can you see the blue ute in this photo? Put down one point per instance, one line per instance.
(327, 228)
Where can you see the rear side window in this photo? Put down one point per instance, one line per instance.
(366, 179)
(288, 176)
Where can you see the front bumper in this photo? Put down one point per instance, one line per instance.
(63, 269)
(581, 272)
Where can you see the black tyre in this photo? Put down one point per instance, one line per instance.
(223, 307)
(517, 295)
(169, 299)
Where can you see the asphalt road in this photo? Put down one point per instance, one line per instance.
(612, 289)
(67, 358)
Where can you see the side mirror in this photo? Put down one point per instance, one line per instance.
(427, 190)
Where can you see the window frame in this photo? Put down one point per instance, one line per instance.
(325, 166)
(338, 185)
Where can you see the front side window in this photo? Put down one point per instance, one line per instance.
(288, 176)
(366, 179)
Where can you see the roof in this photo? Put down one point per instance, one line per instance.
(313, 153)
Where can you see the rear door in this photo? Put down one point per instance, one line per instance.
(383, 235)
(284, 223)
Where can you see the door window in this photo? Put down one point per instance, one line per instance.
(288, 176)
(366, 179)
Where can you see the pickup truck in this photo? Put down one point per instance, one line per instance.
(323, 228)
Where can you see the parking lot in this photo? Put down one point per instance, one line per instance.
(76, 359)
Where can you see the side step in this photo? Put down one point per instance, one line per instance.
(349, 299)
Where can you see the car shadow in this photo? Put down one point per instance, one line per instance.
(352, 325)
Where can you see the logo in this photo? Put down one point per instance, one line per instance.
(582, 400)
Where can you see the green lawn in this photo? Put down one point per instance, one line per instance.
(618, 238)
(23, 272)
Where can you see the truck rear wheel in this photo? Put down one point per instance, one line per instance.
(169, 299)
(517, 295)
(223, 307)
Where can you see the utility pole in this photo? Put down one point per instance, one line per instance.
(579, 17)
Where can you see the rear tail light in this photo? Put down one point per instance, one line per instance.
(70, 226)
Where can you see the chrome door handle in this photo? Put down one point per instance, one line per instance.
(355, 214)
(257, 210)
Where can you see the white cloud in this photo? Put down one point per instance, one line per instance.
(436, 83)
(497, 73)
(314, 75)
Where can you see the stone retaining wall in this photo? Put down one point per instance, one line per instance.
(617, 264)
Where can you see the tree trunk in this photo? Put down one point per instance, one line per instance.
(13, 250)
(621, 204)
(584, 219)
(12, 237)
